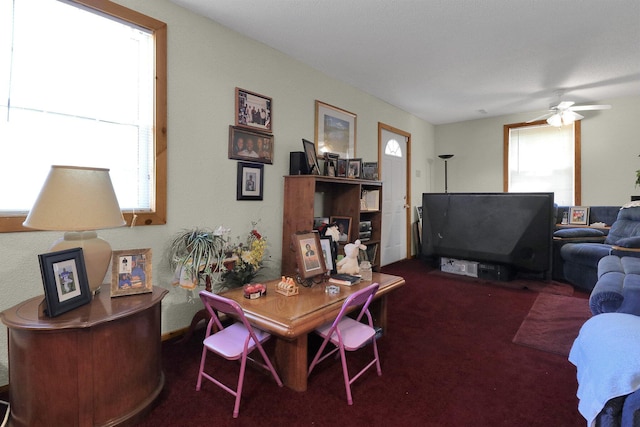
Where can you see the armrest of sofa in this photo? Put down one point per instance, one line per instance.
(590, 235)
(607, 295)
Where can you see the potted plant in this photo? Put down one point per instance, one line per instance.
(195, 255)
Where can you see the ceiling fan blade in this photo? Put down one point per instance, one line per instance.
(542, 117)
(564, 105)
(590, 107)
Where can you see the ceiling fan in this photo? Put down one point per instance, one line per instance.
(565, 113)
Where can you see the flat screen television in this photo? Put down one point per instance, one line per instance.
(512, 229)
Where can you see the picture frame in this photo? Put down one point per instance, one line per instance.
(131, 272)
(342, 168)
(64, 276)
(354, 168)
(344, 227)
(253, 111)
(335, 130)
(331, 164)
(370, 171)
(579, 215)
(250, 181)
(311, 157)
(329, 251)
(319, 220)
(250, 145)
(309, 255)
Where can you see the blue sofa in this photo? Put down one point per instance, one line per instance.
(580, 260)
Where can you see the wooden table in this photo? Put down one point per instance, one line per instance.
(97, 365)
(291, 318)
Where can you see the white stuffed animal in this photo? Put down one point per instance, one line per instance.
(349, 264)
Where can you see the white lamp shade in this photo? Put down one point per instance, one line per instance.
(76, 199)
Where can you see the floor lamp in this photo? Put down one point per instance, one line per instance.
(445, 157)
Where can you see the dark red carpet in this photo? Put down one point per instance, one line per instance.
(447, 359)
(553, 323)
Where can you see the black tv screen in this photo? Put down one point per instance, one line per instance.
(513, 229)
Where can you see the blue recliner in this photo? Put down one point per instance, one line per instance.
(580, 260)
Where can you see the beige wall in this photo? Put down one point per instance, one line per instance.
(205, 63)
(610, 149)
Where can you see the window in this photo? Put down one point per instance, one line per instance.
(82, 83)
(543, 158)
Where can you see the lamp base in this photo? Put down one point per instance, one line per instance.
(97, 254)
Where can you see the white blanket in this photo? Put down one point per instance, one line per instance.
(606, 354)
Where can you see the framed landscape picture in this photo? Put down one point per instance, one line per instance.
(335, 130)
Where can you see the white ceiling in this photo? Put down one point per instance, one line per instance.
(453, 60)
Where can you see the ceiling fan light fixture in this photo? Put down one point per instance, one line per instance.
(555, 120)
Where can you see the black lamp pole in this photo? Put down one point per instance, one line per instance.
(445, 157)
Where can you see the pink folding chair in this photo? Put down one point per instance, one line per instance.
(233, 342)
(350, 334)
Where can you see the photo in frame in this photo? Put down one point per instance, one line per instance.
(330, 253)
(253, 110)
(344, 227)
(64, 277)
(342, 167)
(370, 171)
(579, 215)
(331, 164)
(354, 167)
(131, 272)
(311, 157)
(309, 255)
(250, 182)
(249, 145)
(335, 130)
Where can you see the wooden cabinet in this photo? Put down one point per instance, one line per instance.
(309, 196)
(97, 365)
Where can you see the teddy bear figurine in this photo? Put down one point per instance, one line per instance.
(349, 264)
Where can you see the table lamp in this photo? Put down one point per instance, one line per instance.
(79, 200)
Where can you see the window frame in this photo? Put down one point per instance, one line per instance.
(577, 160)
(157, 214)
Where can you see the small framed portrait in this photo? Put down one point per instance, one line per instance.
(253, 110)
(354, 167)
(370, 170)
(344, 227)
(309, 256)
(329, 251)
(335, 130)
(64, 277)
(250, 182)
(310, 156)
(579, 215)
(342, 167)
(250, 145)
(131, 272)
(330, 164)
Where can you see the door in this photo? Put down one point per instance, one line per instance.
(394, 149)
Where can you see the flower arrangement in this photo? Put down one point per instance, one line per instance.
(208, 257)
(249, 254)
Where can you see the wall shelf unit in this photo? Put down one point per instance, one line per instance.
(309, 196)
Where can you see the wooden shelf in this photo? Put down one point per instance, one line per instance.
(309, 196)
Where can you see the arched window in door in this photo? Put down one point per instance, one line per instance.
(393, 148)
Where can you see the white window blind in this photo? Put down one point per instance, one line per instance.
(542, 159)
(76, 88)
